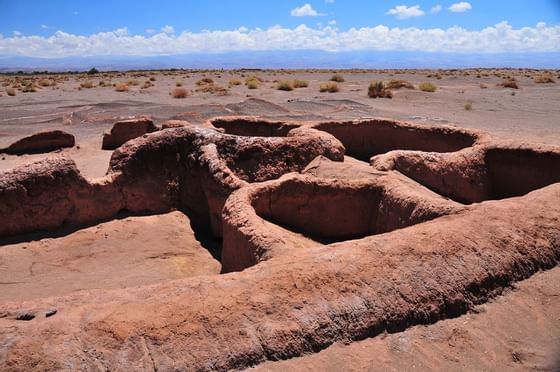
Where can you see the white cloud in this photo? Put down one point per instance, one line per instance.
(167, 29)
(499, 38)
(332, 23)
(305, 11)
(17, 33)
(435, 9)
(461, 7)
(405, 12)
(45, 27)
(150, 30)
(329, 1)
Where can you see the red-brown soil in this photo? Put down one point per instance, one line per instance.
(310, 232)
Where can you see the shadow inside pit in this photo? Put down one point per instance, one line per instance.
(203, 233)
(65, 230)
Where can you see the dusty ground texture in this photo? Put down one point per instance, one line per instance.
(144, 291)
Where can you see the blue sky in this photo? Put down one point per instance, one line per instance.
(51, 28)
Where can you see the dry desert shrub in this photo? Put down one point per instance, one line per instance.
(337, 78)
(468, 106)
(330, 87)
(28, 87)
(121, 87)
(45, 82)
(286, 85)
(11, 92)
(254, 79)
(509, 83)
(301, 83)
(213, 89)
(86, 84)
(543, 79)
(483, 86)
(179, 93)
(377, 89)
(427, 86)
(178, 84)
(253, 84)
(147, 84)
(205, 81)
(235, 82)
(397, 84)
(133, 83)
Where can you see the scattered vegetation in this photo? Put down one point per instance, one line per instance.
(205, 81)
(509, 83)
(286, 85)
(179, 93)
(377, 89)
(253, 84)
(44, 82)
(178, 83)
(337, 78)
(483, 86)
(121, 87)
(427, 86)
(235, 82)
(93, 71)
(301, 83)
(543, 79)
(397, 84)
(28, 87)
(330, 87)
(468, 106)
(213, 89)
(86, 84)
(11, 92)
(147, 84)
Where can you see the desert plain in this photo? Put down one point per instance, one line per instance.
(266, 228)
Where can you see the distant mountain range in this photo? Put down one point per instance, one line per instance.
(285, 59)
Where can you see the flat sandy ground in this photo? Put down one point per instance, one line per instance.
(518, 331)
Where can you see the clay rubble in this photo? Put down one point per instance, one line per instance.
(331, 231)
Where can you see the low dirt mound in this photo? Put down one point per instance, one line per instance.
(41, 142)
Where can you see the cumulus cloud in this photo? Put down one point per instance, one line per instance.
(167, 29)
(435, 9)
(500, 38)
(305, 11)
(461, 7)
(405, 12)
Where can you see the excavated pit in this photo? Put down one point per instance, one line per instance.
(341, 255)
(484, 172)
(251, 127)
(516, 172)
(330, 212)
(366, 138)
